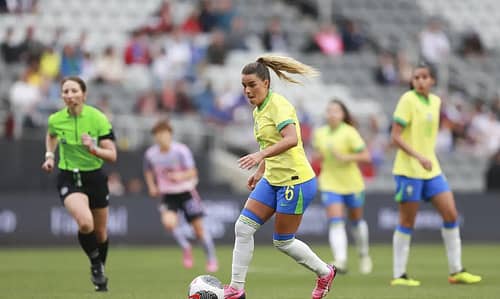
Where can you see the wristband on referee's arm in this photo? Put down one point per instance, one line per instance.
(49, 155)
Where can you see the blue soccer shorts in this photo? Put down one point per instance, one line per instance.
(351, 200)
(411, 189)
(293, 199)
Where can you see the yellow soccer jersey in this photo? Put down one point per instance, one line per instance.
(290, 167)
(337, 176)
(420, 118)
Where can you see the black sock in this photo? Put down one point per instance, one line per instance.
(103, 250)
(89, 245)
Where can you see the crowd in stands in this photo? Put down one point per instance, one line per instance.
(162, 61)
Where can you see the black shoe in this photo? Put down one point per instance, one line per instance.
(98, 279)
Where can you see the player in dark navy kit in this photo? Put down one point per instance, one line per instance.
(85, 138)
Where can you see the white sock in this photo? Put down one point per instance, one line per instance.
(244, 230)
(401, 250)
(453, 245)
(338, 243)
(303, 255)
(181, 238)
(360, 234)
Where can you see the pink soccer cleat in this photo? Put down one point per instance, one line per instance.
(232, 293)
(212, 266)
(324, 283)
(187, 258)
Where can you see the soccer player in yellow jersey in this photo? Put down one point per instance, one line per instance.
(284, 183)
(340, 148)
(419, 177)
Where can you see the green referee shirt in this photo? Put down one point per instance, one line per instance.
(69, 130)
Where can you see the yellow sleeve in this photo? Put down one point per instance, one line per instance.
(402, 113)
(284, 115)
(356, 142)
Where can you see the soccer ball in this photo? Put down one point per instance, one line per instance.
(206, 287)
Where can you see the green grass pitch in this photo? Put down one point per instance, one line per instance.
(157, 273)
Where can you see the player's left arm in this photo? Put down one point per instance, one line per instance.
(189, 170)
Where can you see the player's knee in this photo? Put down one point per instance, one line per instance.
(85, 224)
(169, 222)
(244, 229)
(283, 241)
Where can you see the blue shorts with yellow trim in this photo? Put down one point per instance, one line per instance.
(292, 199)
(351, 200)
(411, 189)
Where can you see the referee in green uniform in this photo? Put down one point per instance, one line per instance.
(85, 139)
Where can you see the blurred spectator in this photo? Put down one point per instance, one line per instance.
(161, 21)
(492, 177)
(191, 25)
(30, 48)
(34, 77)
(217, 49)
(71, 62)
(225, 13)
(147, 104)
(386, 72)
(434, 43)
(404, 68)
(18, 6)
(50, 63)
(137, 50)
(104, 105)
(274, 38)
(9, 49)
(179, 54)
(208, 17)
(484, 131)
(23, 99)
(177, 97)
(471, 44)
(88, 67)
(161, 68)
(109, 67)
(115, 184)
(183, 100)
(352, 37)
(329, 40)
(235, 39)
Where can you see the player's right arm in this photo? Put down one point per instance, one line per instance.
(150, 182)
(149, 177)
(50, 147)
(255, 178)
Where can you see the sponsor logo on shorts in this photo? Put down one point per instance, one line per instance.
(64, 190)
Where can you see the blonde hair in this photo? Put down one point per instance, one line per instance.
(280, 65)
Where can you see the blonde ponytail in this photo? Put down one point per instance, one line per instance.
(281, 64)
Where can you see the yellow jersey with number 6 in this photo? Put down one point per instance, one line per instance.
(290, 167)
(420, 118)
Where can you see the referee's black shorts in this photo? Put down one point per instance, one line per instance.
(92, 183)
